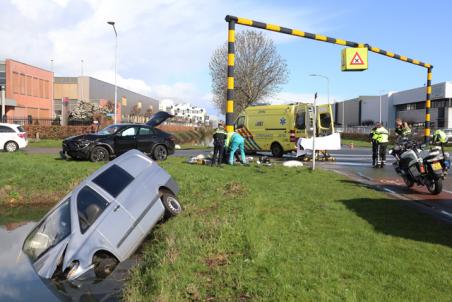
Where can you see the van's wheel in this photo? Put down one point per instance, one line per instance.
(99, 153)
(160, 153)
(171, 204)
(11, 146)
(434, 186)
(277, 150)
(104, 264)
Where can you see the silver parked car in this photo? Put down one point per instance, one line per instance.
(104, 219)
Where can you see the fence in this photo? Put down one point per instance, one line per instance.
(44, 121)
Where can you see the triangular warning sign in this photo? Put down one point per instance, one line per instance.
(356, 60)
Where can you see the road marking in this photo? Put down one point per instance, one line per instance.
(389, 190)
(365, 176)
(446, 213)
(447, 191)
(343, 163)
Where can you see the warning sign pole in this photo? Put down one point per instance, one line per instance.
(232, 20)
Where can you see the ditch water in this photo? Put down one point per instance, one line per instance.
(19, 281)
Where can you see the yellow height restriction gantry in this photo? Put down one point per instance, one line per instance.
(232, 21)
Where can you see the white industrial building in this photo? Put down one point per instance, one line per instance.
(185, 112)
(409, 105)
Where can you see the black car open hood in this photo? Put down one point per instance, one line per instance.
(88, 137)
(159, 118)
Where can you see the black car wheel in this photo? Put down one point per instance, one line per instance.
(160, 153)
(99, 154)
(171, 204)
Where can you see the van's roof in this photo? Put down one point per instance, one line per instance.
(281, 106)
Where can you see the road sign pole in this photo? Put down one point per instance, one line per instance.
(428, 105)
(314, 130)
(230, 79)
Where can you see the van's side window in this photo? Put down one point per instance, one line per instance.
(300, 120)
(240, 122)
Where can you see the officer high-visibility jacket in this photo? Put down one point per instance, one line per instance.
(373, 134)
(439, 137)
(403, 130)
(382, 135)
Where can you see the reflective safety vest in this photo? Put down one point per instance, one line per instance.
(439, 137)
(403, 131)
(228, 138)
(382, 135)
(373, 134)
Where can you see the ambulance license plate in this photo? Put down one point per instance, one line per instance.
(436, 166)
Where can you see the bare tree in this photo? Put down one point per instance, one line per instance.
(86, 110)
(135, 111)
(259, 71)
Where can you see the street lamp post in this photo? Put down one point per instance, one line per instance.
(315, 114)
(327, 83)
(112, 23)
(380, 92)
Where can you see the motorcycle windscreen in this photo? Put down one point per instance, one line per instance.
(159, 118)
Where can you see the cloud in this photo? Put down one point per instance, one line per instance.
(163, 45)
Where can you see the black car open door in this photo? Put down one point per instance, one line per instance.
(159, 118)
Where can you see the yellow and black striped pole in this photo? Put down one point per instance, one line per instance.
(230, 87)
(232, 20)
(428, 105)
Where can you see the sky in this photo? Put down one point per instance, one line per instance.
(164, 46)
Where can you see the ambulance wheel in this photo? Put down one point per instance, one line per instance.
(277, 150)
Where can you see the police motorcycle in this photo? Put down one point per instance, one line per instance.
(417, 164)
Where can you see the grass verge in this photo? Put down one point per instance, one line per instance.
(45, 143)
(31, 184)
(261, 233)
(280, 234)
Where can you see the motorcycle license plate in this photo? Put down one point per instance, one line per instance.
(436, 166)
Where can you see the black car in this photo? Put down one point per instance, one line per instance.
(116, 139)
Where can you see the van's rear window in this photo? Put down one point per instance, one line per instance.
(113, 180)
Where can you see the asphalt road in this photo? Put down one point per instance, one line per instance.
(356, 164)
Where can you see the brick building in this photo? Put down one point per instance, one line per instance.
(29, 90)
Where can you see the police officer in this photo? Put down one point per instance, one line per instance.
(219, 139)
(439, 138)
(402, 128)
(382, 138)
(373, 140)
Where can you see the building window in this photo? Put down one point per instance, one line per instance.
(16, 82)
(23, 89)
(35, 87)
(46, 89)
(41, 88)
(29, 85)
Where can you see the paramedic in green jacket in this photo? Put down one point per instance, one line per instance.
(234, 142)
(382, 138)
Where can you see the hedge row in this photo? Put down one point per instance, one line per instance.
(56, 132)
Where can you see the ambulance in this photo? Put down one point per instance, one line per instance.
(277, 128)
